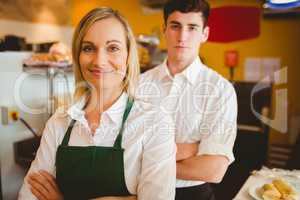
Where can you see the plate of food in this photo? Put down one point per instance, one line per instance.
(276, 189)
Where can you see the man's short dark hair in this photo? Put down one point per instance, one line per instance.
(186, 6)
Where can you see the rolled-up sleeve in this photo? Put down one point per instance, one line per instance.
(45, 159)
(158, 171)
(220, 124)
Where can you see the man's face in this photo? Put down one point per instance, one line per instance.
(184, 34)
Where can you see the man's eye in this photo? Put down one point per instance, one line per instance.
(175, 26)
(192, 28)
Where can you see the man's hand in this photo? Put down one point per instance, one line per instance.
(207, 168)
(186, 150)
(43, 186)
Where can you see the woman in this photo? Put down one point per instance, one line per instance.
(106, 144)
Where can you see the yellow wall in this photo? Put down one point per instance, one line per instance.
(279, 37)
(131, 9)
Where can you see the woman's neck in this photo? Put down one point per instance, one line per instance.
(102, 99)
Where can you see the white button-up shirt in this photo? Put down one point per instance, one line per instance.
(202, 103)
(148, 140)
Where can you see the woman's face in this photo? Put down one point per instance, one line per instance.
(103, 54)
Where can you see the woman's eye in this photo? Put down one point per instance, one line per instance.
(113, 48)
(87, 49)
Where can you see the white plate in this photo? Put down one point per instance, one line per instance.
(254, 190)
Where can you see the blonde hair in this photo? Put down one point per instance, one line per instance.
(133, 67)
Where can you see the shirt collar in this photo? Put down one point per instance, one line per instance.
(76, 110)
(163, 71)
(190, 73)
(114, 113)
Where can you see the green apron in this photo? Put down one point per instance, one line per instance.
(92, 171)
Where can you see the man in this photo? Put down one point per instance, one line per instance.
(202, 103)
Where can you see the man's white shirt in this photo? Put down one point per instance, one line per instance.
(202, 104)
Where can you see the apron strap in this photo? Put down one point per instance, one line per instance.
(66, 139)
(118, 142)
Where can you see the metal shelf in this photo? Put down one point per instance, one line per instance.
(50, 72)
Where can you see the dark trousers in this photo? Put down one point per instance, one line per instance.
(198, 192)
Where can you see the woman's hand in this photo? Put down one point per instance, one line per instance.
(43, 186)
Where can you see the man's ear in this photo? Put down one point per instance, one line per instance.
(205, 34)
(164, 26)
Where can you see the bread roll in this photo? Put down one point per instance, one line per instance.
(287, 192)
(270, 192)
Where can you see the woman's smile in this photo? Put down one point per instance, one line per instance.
(97, 71)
